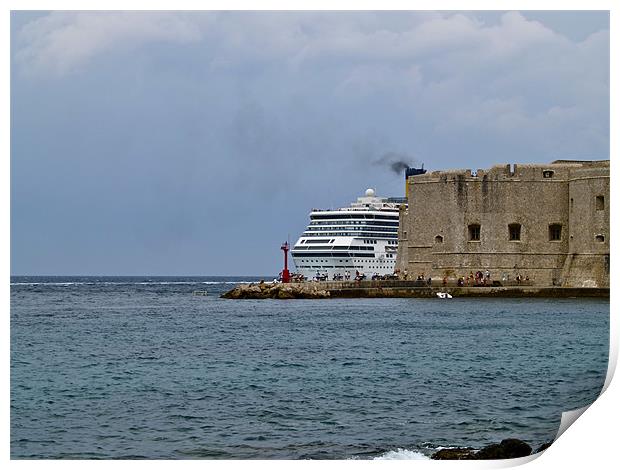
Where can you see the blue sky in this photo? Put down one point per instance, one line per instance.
(180, 143)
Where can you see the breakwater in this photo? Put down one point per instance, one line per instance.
(396, 289)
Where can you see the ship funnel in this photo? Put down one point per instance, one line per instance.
(412, 172)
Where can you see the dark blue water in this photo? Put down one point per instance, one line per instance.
(141, 368)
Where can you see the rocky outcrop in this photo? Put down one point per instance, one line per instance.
(458, 453)
(269, 290)
(507, 449)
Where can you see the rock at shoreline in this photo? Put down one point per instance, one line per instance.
(269, 290)
(458, 453)
(507, 449)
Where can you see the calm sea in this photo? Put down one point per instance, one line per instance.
(118, 367)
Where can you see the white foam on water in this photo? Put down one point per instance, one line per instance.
(109, 283)
(402, 454)
(46, 283)
(227, 282)
(165, 283)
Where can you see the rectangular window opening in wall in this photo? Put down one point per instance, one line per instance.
(600, 238)
(474, 232)
(607, 263)
(555, 232)
(514, 232)
(600, 203)
(547, 173)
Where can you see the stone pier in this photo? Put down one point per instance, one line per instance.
(394, 289)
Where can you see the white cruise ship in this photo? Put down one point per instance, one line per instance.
(360, 238)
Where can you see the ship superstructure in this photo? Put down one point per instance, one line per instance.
(361, 238)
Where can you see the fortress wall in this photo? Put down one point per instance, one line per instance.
(443, 204)
(402, 255)
(588, 262)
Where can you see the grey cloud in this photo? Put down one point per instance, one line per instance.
(149, 142)
(63, 41)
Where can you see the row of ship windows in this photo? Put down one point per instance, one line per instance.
(338, 255)
(335, 247)
(296, 254)
(371, 229)
(357, 222)
(333, 255)
(337, 266)
(366, 241)
(354, 216)
(325, 266)
(351, 234)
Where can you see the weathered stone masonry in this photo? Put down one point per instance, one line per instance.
(546, 222)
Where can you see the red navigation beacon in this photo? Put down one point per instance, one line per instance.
(286, 276)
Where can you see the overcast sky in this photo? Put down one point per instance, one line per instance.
(195, 143)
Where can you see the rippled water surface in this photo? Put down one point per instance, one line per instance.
(141, 368)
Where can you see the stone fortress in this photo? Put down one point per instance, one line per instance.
(548, 224)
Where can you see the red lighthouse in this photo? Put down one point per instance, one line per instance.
(286, 276)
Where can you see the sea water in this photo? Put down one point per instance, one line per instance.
(117, 367)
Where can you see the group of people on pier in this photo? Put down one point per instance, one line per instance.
(339, 276)
(473, 279)
(359, 276)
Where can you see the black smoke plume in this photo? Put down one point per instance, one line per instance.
(396, 161)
